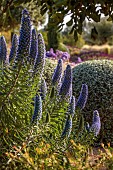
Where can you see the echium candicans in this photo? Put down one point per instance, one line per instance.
(33, 47)
(25, 37)
(57, 73)
(67, 128)
(70, 91)
(71, 108)
(96, 123)
(43, 89)
(37, 109)
(13, 50)
(40, 58)
(82, 99)
(66, 84)
(3, 49)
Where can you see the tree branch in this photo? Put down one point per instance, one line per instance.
(7, 6)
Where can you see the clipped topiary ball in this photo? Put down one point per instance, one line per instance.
(98, 75)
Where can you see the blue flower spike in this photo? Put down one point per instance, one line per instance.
(13, 50)
(25, 38)
(96, 123)
(67, 81)
(37, 109)
(82, 99)
(57, 73)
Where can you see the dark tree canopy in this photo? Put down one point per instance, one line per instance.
(10, 13)
(58, 9)
(78, 11)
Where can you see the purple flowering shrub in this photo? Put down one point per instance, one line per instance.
(65, 56)
(89, 55)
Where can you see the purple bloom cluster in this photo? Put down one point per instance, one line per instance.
(67, 81)
(82, 99)
(65, 56)
(25, 37)
(37, 109)
(58, 55)
(51, 54)
(40, 58)
(96, 124)
(87, 55)
(13, 50)
(67, 128)
(43, 89)
(33, 47)
(57, 73)
(3, 49)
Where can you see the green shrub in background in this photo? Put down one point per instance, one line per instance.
(98, 75)
(49, 69)
(63, 47)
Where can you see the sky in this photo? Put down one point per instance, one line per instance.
(66, 19)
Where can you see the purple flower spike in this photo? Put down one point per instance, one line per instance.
(57, 73)
(82, 99)
(3, 49)
(67, 127)
(37, 109)
(67, 80)
(14, 47)
(71, 109)
(33, 47)
(96, 124)
(43, 89)
(25, 37)
(40, 58)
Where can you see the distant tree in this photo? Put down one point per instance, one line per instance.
(10, 13)
(98, 33)
(52, 35)
(78, 11)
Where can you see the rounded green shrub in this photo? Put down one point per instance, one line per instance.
(98, 75)
(63, 47)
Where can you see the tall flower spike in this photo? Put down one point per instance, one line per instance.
(43, 89)
(57, 73)
(67, 127)
(96, 123)
(37, 109)
(3, 49)
(13, 50)
(82, 99)
(40, 58)
(25, 37)
(71, 109)
(33, 47)
(67, 80)
(70, 91)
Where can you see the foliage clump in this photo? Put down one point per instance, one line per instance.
(40, 126)
(98, 75)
